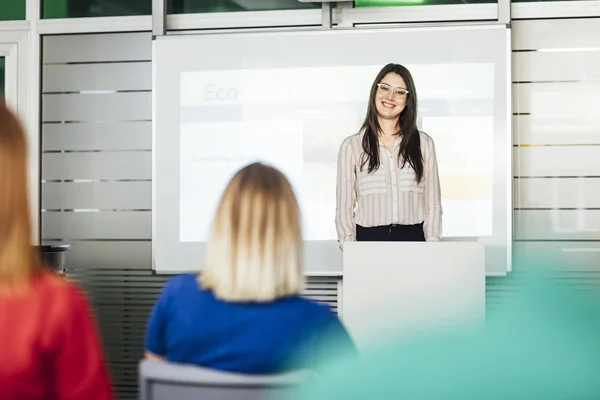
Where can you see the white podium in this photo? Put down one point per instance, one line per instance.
(406, 288)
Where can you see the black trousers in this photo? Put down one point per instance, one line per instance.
(391, 233)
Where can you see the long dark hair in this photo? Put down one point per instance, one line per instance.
(410, 146)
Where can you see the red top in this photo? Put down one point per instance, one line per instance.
(49, 345)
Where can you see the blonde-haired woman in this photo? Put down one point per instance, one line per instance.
(244, 313)
(49, 346)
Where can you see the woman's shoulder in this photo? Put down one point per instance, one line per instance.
(312, 309)
(63, 298)
(323, 321)
(354, 138)
(352, 144)
(57, 286)
(182, 283)
(183, 280)
(427, 143)
(425, 137)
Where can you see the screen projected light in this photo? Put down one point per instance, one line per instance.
(296, 118)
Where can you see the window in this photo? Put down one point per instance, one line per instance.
(108, 8)
(384, 3)
(94, 8)
(12, 10)
(205, 6)
(541, 1)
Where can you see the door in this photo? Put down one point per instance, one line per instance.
(14, 70)
(16, 88)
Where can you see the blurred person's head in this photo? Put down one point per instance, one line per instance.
(255, 251)
(18, 262)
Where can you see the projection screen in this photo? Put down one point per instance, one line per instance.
(221, 101)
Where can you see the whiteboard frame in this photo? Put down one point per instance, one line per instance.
(337, 272)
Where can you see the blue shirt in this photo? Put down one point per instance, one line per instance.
(190, 325)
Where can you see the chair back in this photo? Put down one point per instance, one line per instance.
(168, 381)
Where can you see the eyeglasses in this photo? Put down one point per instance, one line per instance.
(386, 89)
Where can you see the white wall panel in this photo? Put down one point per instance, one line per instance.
(533, 129)
(104, 47)
(107, 256)
(105, 107)
(557, 193)
(99, 76)
(570, 256)
(556, 33)
(97, 195)
(97, 225)
(131, 135)
(540, 66)
(557, 224)
(97, 165)
(557, 161)
(558, 100)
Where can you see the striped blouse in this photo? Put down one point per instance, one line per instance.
(389, 195)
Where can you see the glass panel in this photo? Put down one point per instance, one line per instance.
(204, 6)
(94, 8)
(2, 77)
(396, 3)
(12, 10)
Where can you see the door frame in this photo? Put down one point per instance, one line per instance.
(10, 52)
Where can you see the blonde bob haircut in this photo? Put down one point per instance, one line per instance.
(18, 262)
(255, 249)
